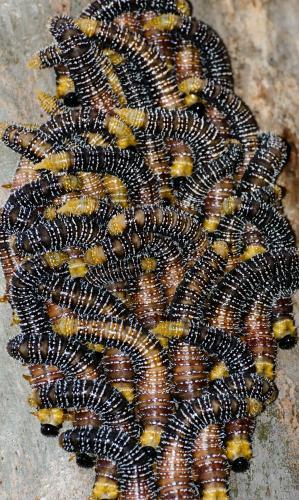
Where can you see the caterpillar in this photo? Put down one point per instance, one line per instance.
(148, 262)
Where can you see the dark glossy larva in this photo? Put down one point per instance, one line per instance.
(148, 261)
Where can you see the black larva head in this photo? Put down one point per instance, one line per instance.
(150, 452)
(198, 109)
(240, 464)
(287, 342)
(288, 151)
(177, 182)
(49, 430)
(84, 460)
(71, 100)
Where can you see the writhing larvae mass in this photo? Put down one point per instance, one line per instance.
(148, 262)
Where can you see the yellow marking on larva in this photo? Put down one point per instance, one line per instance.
(55, 259)
(96, 140)
(7, 186)
(95, 256)
(125, 389)
(221, 248)
(114, 83)
(254, 407)
(232, 140)
(163, 341)
(211, 224)
(52, 416)
(151, 436)
(166, 194)
(77, 268)
(219, 371)
(95, 347)
(164, 22)
(71, 182)
(50, 212)
(117, 224)
(191, 85)
(238, 447)
(265, 368)
(283, 327)
(34, 62)
(182, 166)
(115, 57)
(148, 264)
(171, 329)
(251, 251)
(116, 189)
(65, 85)
(30, 126)
(47, 102)
(15, 320)
(87, 26)
(213, 492)
(132, 117)
(65, 326)
(124, 134)
(79, 206)
(229, 205)
(55, 162)
(191, 99)
(183, 7)
(277, 190)
(105, 488)
(32, 400)
(139, 217)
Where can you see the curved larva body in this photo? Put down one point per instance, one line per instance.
(133, 265)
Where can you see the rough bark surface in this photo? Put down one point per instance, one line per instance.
(262, 37)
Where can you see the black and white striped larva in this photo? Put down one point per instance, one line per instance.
(149, 265)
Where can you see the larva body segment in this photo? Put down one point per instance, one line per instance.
(148, 261)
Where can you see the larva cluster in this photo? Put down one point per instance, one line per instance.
(148, 261)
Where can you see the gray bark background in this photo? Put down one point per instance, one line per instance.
(262, 37)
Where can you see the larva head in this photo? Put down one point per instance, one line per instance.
(150, 452)
(51, 420)
(84, 460)
(49, 430)
(71, 100)
(284, 332)
(287, 342)
(240, 465)
(238, 451)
